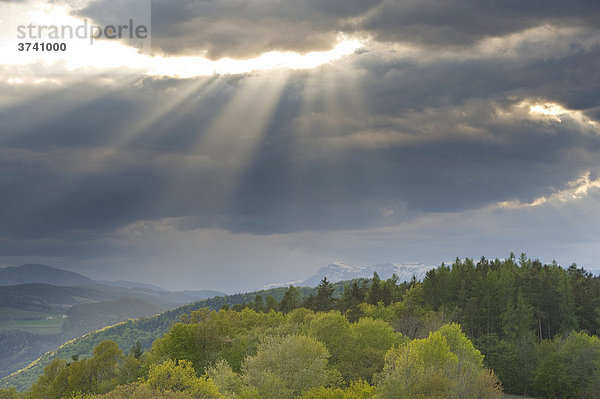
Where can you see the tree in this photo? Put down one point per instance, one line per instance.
(258, 304)
(371, 339)
(324, 300)
(356, 390)
(198, 343)
(333, 330)
(570, 367)
(104, 362)
(352, 297)
(271, 303)
(10, 393)
(137, 350)
(129, 369)
(181, 377)
(443, 365)
(285, 367)
(374, 295)
(290, 300)
(517, 320)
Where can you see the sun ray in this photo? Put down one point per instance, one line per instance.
(230, 142)
(170, 109)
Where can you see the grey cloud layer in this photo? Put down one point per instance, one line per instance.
(405, 138)
(458, 22)
(241, 29)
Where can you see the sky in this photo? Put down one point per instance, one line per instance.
(243, 143)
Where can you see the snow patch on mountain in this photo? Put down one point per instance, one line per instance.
(295, 283)
(339, 271)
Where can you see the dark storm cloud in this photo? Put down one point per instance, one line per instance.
(241, 29)
(460, 22)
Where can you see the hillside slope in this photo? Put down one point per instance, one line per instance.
(51, 315)
(126, 334)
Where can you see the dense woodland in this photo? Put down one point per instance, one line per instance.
(469, 330)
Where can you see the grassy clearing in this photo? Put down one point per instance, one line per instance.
(18, 314)
(509, 396)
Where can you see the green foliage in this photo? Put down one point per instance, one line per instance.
(228, 381)
(333, 330)
(271, 303)
(10, 393)
(181, 377)
(570, 368)
(290, 300)
(357, 350)
(444, 365)
(518, 319)
(285, 367)
(259, 304)
(324, 300)
(353, 296)
(460, 345)
(209, 335)
(142, 391)
(136, 350)
(356, 390)
(98, 374)
(513, 362)
(513, 300)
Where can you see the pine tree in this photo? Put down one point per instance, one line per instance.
(324, 300)
(271, 303)
(137, 350)
(258, 305)
(290, 300)
(374, 295)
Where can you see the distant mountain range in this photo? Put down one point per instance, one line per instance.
(340, 271)
(33, 273)
(42, 274)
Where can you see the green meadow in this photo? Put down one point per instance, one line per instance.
(30, 321)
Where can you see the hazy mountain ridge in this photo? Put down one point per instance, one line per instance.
(48, 275)
(36, 273)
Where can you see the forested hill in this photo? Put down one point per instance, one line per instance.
(145, 330)
(536, 326)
